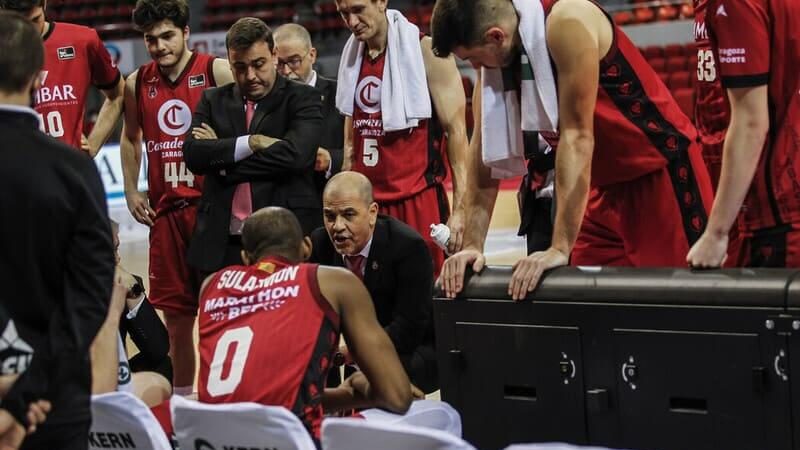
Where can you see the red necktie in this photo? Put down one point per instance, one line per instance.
(356, 265)
(242, 205)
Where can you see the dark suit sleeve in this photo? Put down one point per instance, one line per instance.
(204, 156)
(414, 291)
(337, 157)
(148, 332)
(87, 279)
(296, 151)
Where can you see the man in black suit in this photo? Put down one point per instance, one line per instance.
(296, 58)
(255, 141)
(57, 259)
(394, 263)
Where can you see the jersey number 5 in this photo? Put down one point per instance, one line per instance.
(371, 155)
(176, 173)
(241, 338)
(706, 70)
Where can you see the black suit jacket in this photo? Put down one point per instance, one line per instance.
(399, 277)
(56, 265)
(281, 175)
(332, 129)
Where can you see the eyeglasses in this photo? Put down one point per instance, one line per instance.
(293, 63)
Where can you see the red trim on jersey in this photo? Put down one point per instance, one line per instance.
(186, 69)
(210, 70)
(49, 31)
(322, 301)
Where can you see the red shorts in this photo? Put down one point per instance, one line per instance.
(420, 211)
(641, 223)
(772, 247)
(173, 284)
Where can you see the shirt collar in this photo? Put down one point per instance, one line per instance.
(312, 80)
(364, 251)
(18, 109)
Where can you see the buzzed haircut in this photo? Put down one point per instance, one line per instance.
(272, 231)
(21, 52)
(21, 6)
(150, 12)
(246, 32)
(463, 22)
(293, 31)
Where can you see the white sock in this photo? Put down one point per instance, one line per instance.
(183, 390)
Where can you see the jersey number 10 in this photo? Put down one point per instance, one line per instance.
(52, 124)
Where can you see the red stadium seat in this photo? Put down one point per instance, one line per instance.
(679, 80)
(685, 99)
(676, 64)
(664, 78)
(667, 12)
(687, 11)
(659, 64)
(653, 51)
(672, 50)
(644, 15)
(623, 18)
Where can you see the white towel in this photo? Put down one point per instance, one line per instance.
(504, 118)
(405, 99)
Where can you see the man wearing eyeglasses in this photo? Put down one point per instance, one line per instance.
(296, 58)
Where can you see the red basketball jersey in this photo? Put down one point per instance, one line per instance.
(638, 126)
(639, 129)
(74, 59)
(398, 163)
(267, 335)
(712, 111)
(165, 115)
(756, 43)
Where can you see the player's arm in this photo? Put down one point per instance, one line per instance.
(103, 352)
(107, 78)
(479, 199)
(107, 117)
(746, 77)
(447, 93)
(385, 384)
(130, 147)
(573, 35)
(222, 72)
(744, 142)
(347, 150)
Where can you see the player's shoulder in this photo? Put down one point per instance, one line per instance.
(585, 11)
(73, 32)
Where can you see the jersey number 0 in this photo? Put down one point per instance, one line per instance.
(240, 338)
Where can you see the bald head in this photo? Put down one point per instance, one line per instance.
(349, 183)
(272, 231)
(349, 212)
(293, 31)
